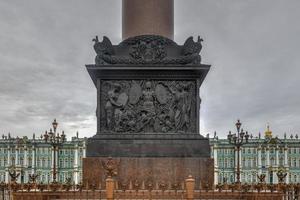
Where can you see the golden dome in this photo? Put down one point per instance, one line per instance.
(268, 133)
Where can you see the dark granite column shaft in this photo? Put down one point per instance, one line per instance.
(144, 17)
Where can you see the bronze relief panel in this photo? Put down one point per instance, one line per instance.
(148, 106)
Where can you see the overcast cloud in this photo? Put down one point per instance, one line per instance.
(252, 45)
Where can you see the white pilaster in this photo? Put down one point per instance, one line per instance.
(33, 160)
(75, 178)
(25, 164)
(215, 155)
(17, 156)
(8, 164)
(259, 160)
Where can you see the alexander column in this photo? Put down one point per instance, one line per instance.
(148, 103)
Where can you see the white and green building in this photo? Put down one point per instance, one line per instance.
(35, 156)
(261, 155)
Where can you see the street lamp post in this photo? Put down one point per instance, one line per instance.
(54, 139)
(238, 140)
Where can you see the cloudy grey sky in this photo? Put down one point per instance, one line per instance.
(252, 45)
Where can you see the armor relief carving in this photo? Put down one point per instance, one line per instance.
(148, 106)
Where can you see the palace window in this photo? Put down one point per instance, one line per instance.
(254, 162)
(295, 163)
(38, 162)
(295, 150)
(60, 163)
(290, 162)
(225, 163)
(263, 162)
(248, 162)
(21, 161)
(13, 161)
(66, 163)
(280, 161)
(280, 150)
(249, 150)
(43, 163)
(29, 162)
(231, 162)
(272, 161)
(71, 162)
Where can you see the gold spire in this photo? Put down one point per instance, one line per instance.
(268, 133)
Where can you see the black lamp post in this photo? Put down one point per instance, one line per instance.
(238, 140)
(54, 139)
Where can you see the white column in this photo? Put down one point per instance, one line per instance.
(286, 157)
(56, 155)
(268, 164)
(277, 156)
(25, 164)
(215, 156)
(33, 160)
(76, 164)
(56, 164)
(17, 156)
(259, 165)
(8, 164)
(52, 163)
(235, 163)
(286, 165)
